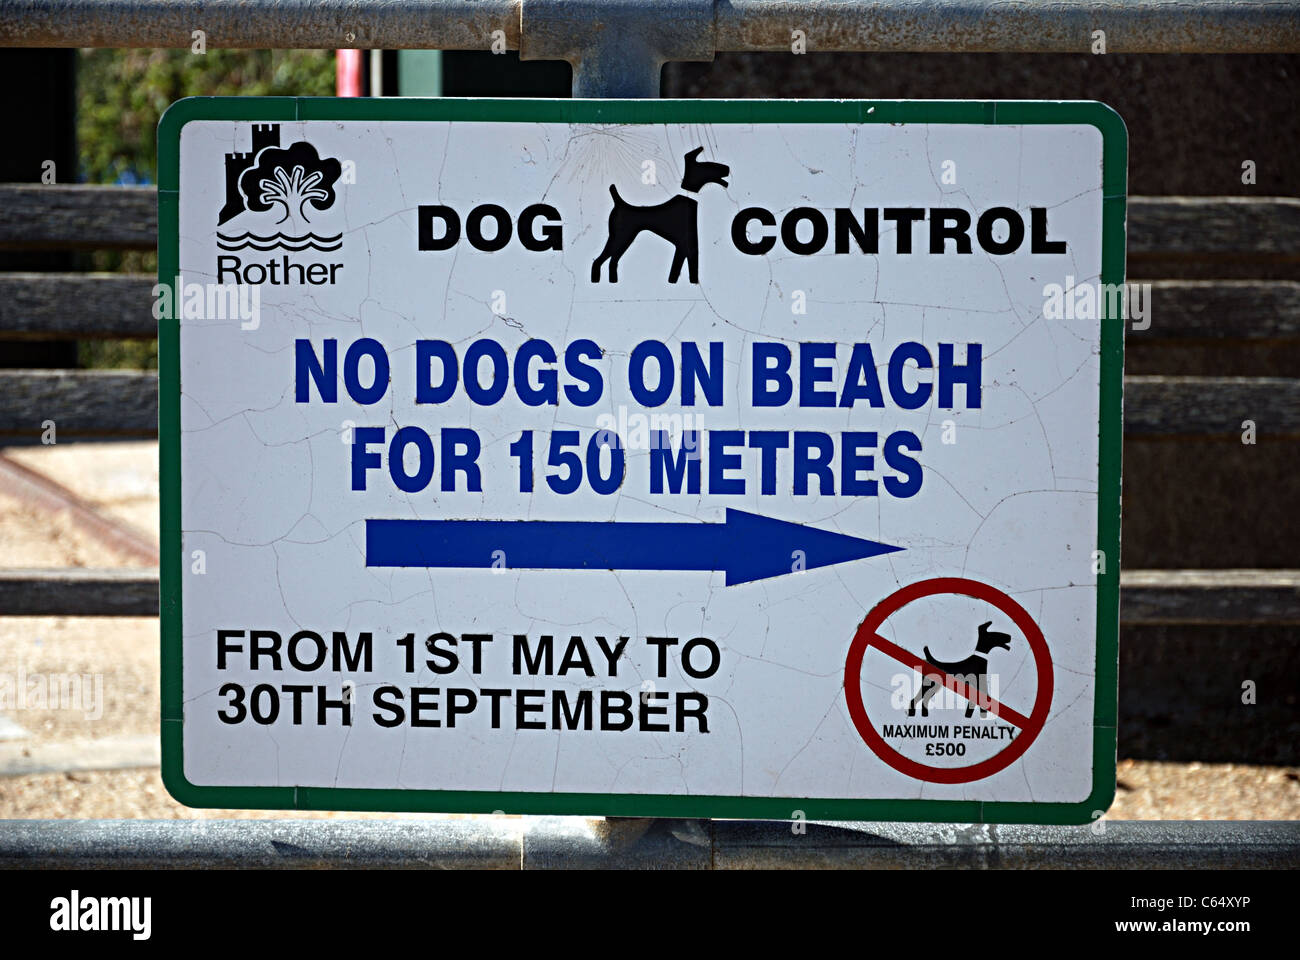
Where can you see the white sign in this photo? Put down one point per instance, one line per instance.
(687, 459)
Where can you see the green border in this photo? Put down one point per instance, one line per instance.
(1114, 166)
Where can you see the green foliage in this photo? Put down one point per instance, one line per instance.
(122, 93)
(120, 96)
(117, 354)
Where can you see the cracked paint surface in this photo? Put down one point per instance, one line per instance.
(1012, 503)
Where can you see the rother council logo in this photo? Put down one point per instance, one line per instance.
(277, 199)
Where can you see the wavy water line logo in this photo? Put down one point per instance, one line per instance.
(280, 241)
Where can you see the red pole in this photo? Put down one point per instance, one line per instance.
(347, 73)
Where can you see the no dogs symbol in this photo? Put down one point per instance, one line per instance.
(948, 680)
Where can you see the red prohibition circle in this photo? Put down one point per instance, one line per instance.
(867, 636)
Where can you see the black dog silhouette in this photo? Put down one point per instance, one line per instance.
(973, 671)
(674, 220)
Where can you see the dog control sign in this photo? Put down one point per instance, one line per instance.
(706, 459)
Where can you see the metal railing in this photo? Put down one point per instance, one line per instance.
(544, 843)
(616, 47)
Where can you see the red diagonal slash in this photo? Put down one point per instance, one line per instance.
(959, 687)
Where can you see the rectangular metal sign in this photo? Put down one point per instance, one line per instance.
(676, 458)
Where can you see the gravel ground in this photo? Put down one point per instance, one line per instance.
(31, 537)
(1156, 791)
(121, 479)
(133, 794)
(116, 661)
(1148, 790)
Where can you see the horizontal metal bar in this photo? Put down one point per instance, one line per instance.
(88, 403)
(1146, 596)
(261, 24)
(1125, 845)
(260, 844)
(1030, 26)
(563, 842)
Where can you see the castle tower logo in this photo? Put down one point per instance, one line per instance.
(294, 183)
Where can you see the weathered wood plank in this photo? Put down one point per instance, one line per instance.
(1178, 597)
(1146, 596)
(104, 305)
(53, 306)
(120, 752)
(57, 217)
(106, 403)
(92, 217)
(76, 592)
(1265, 228)
(122, 403)
(1210, 406)
(1219, 310)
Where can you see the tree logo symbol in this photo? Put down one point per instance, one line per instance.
(291, 179)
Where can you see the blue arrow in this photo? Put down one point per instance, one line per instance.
(747, 546)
